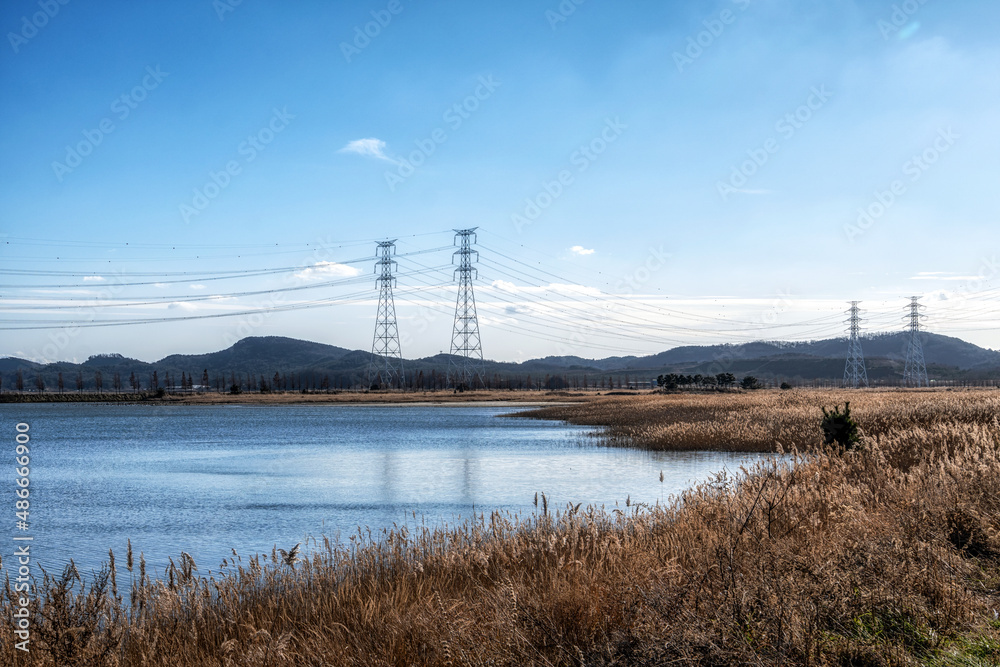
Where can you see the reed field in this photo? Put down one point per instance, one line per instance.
(888, 554)
(761, 421)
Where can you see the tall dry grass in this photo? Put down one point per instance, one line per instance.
(760, 421)
(887, 556)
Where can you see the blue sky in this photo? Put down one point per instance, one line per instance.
(740, 138)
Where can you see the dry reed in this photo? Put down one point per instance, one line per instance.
(763, 421)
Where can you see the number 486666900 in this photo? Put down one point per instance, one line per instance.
(22, 481)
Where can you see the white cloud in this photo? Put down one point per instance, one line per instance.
(580, 250)
(93, 278)
(197, 286)
(370, 147)
(321, 270)
(504, 286)
(183, 306)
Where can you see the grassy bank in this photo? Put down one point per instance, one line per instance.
(761, 421)
(887, 556)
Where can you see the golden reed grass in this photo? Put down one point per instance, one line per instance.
(886, 556)
(760, 421)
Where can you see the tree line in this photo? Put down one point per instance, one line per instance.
(237, 382)
(719, 380)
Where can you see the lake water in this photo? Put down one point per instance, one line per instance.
(205, 479)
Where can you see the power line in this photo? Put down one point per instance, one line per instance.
(110, 302)
(199, 276)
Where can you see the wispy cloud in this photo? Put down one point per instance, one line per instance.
(197, 286)
(321, 270)
(558, 288)
(580, 250)
(87, 279)
(750, 191)
(941, 275)
(370, 147)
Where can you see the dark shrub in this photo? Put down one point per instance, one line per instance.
(840, 427)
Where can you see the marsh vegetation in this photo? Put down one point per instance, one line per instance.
(888, 554)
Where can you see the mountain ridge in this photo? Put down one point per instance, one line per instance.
(258, 359)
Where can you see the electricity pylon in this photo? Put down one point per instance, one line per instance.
(386, 366)
(855, 375)
(466, 367)
(915, 371)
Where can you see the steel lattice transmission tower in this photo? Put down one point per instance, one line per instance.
(386, 366)
(466, 366)
(915, 371)
(855, 375)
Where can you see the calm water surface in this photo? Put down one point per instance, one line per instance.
(205, 479)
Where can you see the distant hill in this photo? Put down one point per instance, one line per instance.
(299, 363)
(938, 349)
(261, 354)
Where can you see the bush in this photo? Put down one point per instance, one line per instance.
(235, 389)
(786, 386)
(750, 382)
(840, 427)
